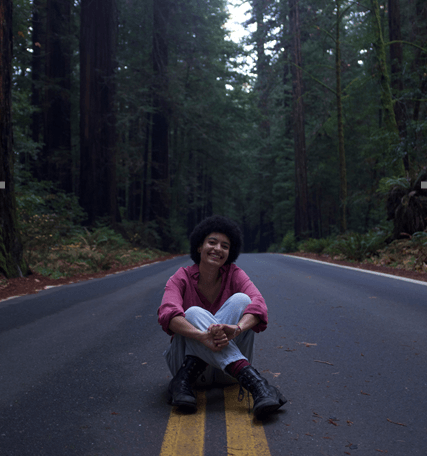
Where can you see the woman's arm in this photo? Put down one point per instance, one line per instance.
(257, 308)
(247, 322)
(211, 339)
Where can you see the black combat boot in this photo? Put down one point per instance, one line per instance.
(180, 388)
(266, 398)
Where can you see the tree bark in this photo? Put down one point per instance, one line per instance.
(160, 198)
(11, 260)
(98, 188)
(37, 77)
(301, 192)
(57, 132)
(419, 31)
(384, 78)
(341, 147)
(396, 59)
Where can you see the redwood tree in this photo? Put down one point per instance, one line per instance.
(396, 59)
(340, 124)
(98, 32)
(36, 68)
(57, 131)
(301, 198)
(160, 198)
(11, 262)
(384, 80)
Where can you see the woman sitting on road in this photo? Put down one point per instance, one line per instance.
(213, 310)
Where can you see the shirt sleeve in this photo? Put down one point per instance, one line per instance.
(172, 301)
(258, 306)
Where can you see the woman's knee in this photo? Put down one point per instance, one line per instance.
(196, 315)
(240, 300)
(243, 298)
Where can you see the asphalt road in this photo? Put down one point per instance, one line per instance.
(81, 370)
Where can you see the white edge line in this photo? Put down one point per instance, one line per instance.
(419, 282)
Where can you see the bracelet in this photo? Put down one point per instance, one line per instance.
(235, 331)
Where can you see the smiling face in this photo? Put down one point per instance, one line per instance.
(215, 249)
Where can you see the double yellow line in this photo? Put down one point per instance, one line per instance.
(185, 434)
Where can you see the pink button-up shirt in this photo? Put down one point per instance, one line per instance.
(181, 292)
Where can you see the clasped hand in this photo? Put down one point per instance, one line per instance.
(218, 336)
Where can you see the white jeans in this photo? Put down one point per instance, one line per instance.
(242, 347)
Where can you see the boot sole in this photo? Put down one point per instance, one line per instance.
(263, 410)
(183, 405)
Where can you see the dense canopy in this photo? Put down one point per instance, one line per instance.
(147, 114)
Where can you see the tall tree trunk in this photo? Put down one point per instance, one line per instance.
(11, 261)
(57, 132)
(341, 148)
(384, 78)
(396, 59)
(38, 52)
(419, 31)
(160, 198)
(98, 188)
(301, 192)
(262, 67)
(262, 87)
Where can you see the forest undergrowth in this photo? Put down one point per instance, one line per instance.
(375, 247)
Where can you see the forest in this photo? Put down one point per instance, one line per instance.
(132, 120)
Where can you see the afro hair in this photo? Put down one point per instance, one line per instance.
(216, 224)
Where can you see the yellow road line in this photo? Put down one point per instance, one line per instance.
(245, 434)
(185, 433)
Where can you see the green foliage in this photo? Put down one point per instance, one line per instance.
(289, 243)
(315, 245)
(142, 235)
(388, 183)
(358, 247)
(420, 238)
(45, 215)
(101, 236)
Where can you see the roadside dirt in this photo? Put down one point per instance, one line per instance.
(397, 271)
(36, 282)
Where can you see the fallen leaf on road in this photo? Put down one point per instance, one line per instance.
(144, 363)
(349, 423)
(332, 422)
(366, 394)
(395, 422)
(276, 374)
(307, 344)
(324, 362)
(115, 413)
(382, 451)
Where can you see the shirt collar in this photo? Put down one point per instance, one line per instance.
(194, 270)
